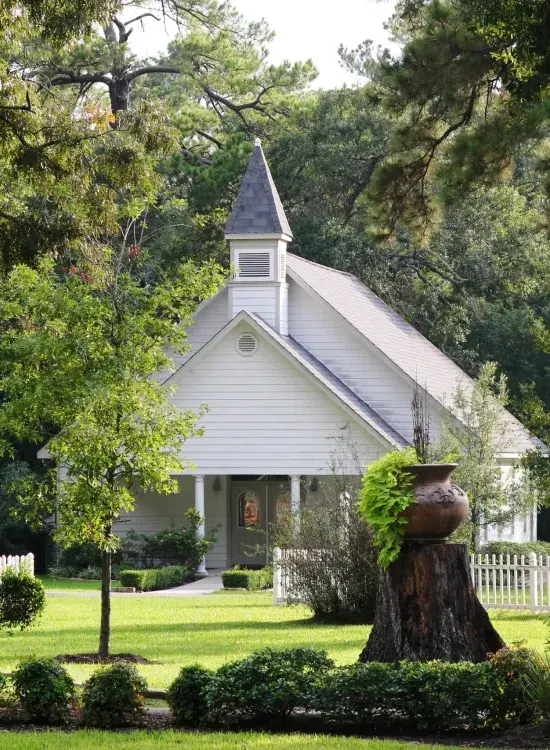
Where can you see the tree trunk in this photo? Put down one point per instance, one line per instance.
(119, 93)
(105, 628)
(427, 608)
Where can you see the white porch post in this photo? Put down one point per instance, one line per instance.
(199, 507)
(295, 501)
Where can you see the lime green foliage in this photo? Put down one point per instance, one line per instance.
(253, 580)
(154, 579)
(21, 599)
(385, 494)
(44, 689)
(170, 740)
(113, 697)
(66, 584)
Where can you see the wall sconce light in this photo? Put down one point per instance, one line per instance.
(314, 486)
(217, 485)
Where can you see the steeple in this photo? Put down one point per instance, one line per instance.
(258, 233)
(258, 209)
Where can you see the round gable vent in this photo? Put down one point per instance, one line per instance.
(247, 344)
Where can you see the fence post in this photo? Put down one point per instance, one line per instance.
(276, 575)
(533, 581)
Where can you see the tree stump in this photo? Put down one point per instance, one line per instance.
(427, 608)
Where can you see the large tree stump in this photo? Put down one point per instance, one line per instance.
(427, 608)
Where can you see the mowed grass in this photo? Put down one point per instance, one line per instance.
(208, 630)
(68, 584)
(170, 740)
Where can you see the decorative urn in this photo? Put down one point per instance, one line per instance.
(439, 507)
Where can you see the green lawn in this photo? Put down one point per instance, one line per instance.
(208, 630)
(66, 584)
(208, 741)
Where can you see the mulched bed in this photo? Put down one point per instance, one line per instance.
(96, 659)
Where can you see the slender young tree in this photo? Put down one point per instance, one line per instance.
(79, 350)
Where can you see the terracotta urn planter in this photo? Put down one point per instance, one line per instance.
(440, 506)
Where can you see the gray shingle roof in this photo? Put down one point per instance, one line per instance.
(395, 338)
(258, 209)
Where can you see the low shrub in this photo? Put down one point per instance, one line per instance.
(512, 664)
(187, 695)
(155, 579)
(22, 599)
(252, 580)
(515, 548)
(432, 695)
(45, 690)
(269, 684)
(113, 696)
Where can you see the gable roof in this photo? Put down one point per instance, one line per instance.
(398, 342)
(258, 209)
(347, 399)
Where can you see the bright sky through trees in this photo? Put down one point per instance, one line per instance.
(304, 28)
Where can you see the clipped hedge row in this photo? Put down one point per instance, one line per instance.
(515, 548)
(252, 580)
(154, 579)
(270, 684)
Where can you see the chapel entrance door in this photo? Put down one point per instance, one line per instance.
(256, 506)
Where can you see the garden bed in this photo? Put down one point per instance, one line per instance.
(97, 659)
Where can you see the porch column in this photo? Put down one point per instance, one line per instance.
(199, 507)
(295, 501)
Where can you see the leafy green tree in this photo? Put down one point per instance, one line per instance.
(79, 351)
(478, 440)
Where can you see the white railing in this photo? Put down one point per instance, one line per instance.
(17, 563)
(501, 582)
(509, 582)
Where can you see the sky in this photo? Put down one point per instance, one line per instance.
(304, 29)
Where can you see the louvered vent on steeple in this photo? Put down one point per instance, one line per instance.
(254, 265)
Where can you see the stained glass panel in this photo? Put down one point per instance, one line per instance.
(249, 509)
(282, 507)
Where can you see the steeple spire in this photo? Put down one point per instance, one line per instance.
(258, 210)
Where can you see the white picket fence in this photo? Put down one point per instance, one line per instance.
(509, 582)
(501, 582)
(17, 562)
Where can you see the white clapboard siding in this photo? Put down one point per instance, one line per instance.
(208, 321)
(330, 340)
(268, 417)
(17, 563)
(503, 582)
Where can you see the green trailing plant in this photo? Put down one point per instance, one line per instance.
(45, 690)
(387, 491)
(187, 695)
(22, 599)
(113, 696)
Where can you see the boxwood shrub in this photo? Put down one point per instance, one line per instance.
(252, 580)
(45, 690)
(113, 696)
(187, 695)
(154, 579)
(268, 685)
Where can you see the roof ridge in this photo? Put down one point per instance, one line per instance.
(329, 268)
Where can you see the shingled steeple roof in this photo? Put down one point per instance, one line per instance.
(258, 209)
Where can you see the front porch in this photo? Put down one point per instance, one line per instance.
(242, 508)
